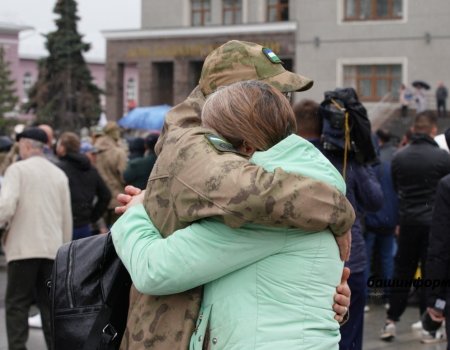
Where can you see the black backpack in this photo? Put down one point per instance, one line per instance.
(89, 292)
(333, 110)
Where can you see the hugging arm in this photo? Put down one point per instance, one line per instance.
(188, 258)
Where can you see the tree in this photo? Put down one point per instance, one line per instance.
(8, 97)
(64, 94)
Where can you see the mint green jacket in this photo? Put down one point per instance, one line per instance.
(265, 288)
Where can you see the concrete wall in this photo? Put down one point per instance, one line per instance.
(170, 13)
(159, 16)
(324, 41)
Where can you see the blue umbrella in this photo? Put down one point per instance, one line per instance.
(149, 118)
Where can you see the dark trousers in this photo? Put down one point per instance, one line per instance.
(441, 108)
(24, 278)
(412, 249)
(352, 331)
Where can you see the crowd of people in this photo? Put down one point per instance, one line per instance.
(416, 98)
(53, 191)
(237, 225)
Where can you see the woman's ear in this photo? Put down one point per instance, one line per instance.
(246, 149)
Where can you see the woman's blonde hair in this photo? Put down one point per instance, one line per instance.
(249, 111)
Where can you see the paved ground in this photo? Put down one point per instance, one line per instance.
(406, 339)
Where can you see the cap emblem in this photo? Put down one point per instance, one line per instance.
(271, 55)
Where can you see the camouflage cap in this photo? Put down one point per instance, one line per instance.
(240, 60)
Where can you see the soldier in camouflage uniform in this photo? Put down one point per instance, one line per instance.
(195, 178)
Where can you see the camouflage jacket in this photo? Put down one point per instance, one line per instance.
(191, 180)
(111, 161)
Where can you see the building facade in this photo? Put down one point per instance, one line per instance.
(24, 69)
(371, 45)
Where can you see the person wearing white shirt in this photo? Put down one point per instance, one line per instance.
(35, 206)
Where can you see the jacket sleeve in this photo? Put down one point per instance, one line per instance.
(238, 191)
(188, 258)
(9, 194)
(247, 193)
(369, 194)
(438, 257)
(103, 197)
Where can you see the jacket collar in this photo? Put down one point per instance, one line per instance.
(423, 138)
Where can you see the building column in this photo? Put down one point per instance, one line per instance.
(114, 90)
(145, 73)
(181, 88)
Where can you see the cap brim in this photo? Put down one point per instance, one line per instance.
(288, 82)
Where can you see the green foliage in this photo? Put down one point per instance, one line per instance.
(64, 94)
(8, 98)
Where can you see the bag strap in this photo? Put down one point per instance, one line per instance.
(102, 332)
(98, 338)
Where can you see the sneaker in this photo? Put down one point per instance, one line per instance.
(437, 336)
(35, 321)
(366, 308)
(417, 326)
(388, 331)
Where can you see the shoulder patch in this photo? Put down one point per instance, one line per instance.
(220, 144)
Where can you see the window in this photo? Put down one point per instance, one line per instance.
(200, 12)
(277, 10)
(131, 90)
(373, 82)
(27, 82)
(232, 12)
(363, 10)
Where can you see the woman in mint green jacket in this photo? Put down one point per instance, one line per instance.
(265, 287)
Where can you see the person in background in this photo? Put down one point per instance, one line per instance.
(364, 192)
(309, 123)
(88, 150)
(49, 150)
(138, 170)
(420, 99)
(136, 148)
(438, 262)
(380, 226)
(88, 192)
(405, 98)
(441, 99)
(111, 161)
(416, 171)
(36, 229)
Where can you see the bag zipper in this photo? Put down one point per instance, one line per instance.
(69, 277)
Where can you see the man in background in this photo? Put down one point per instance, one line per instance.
(416, 171)
(111, 161)
(35, 203)
(88, 192)
(441, 99)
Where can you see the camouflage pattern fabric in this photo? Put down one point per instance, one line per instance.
(241, 60)
(192, 180)
(111, 162)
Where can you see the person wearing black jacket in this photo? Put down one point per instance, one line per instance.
(416, 171)
(438, 259)
(89, 194)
